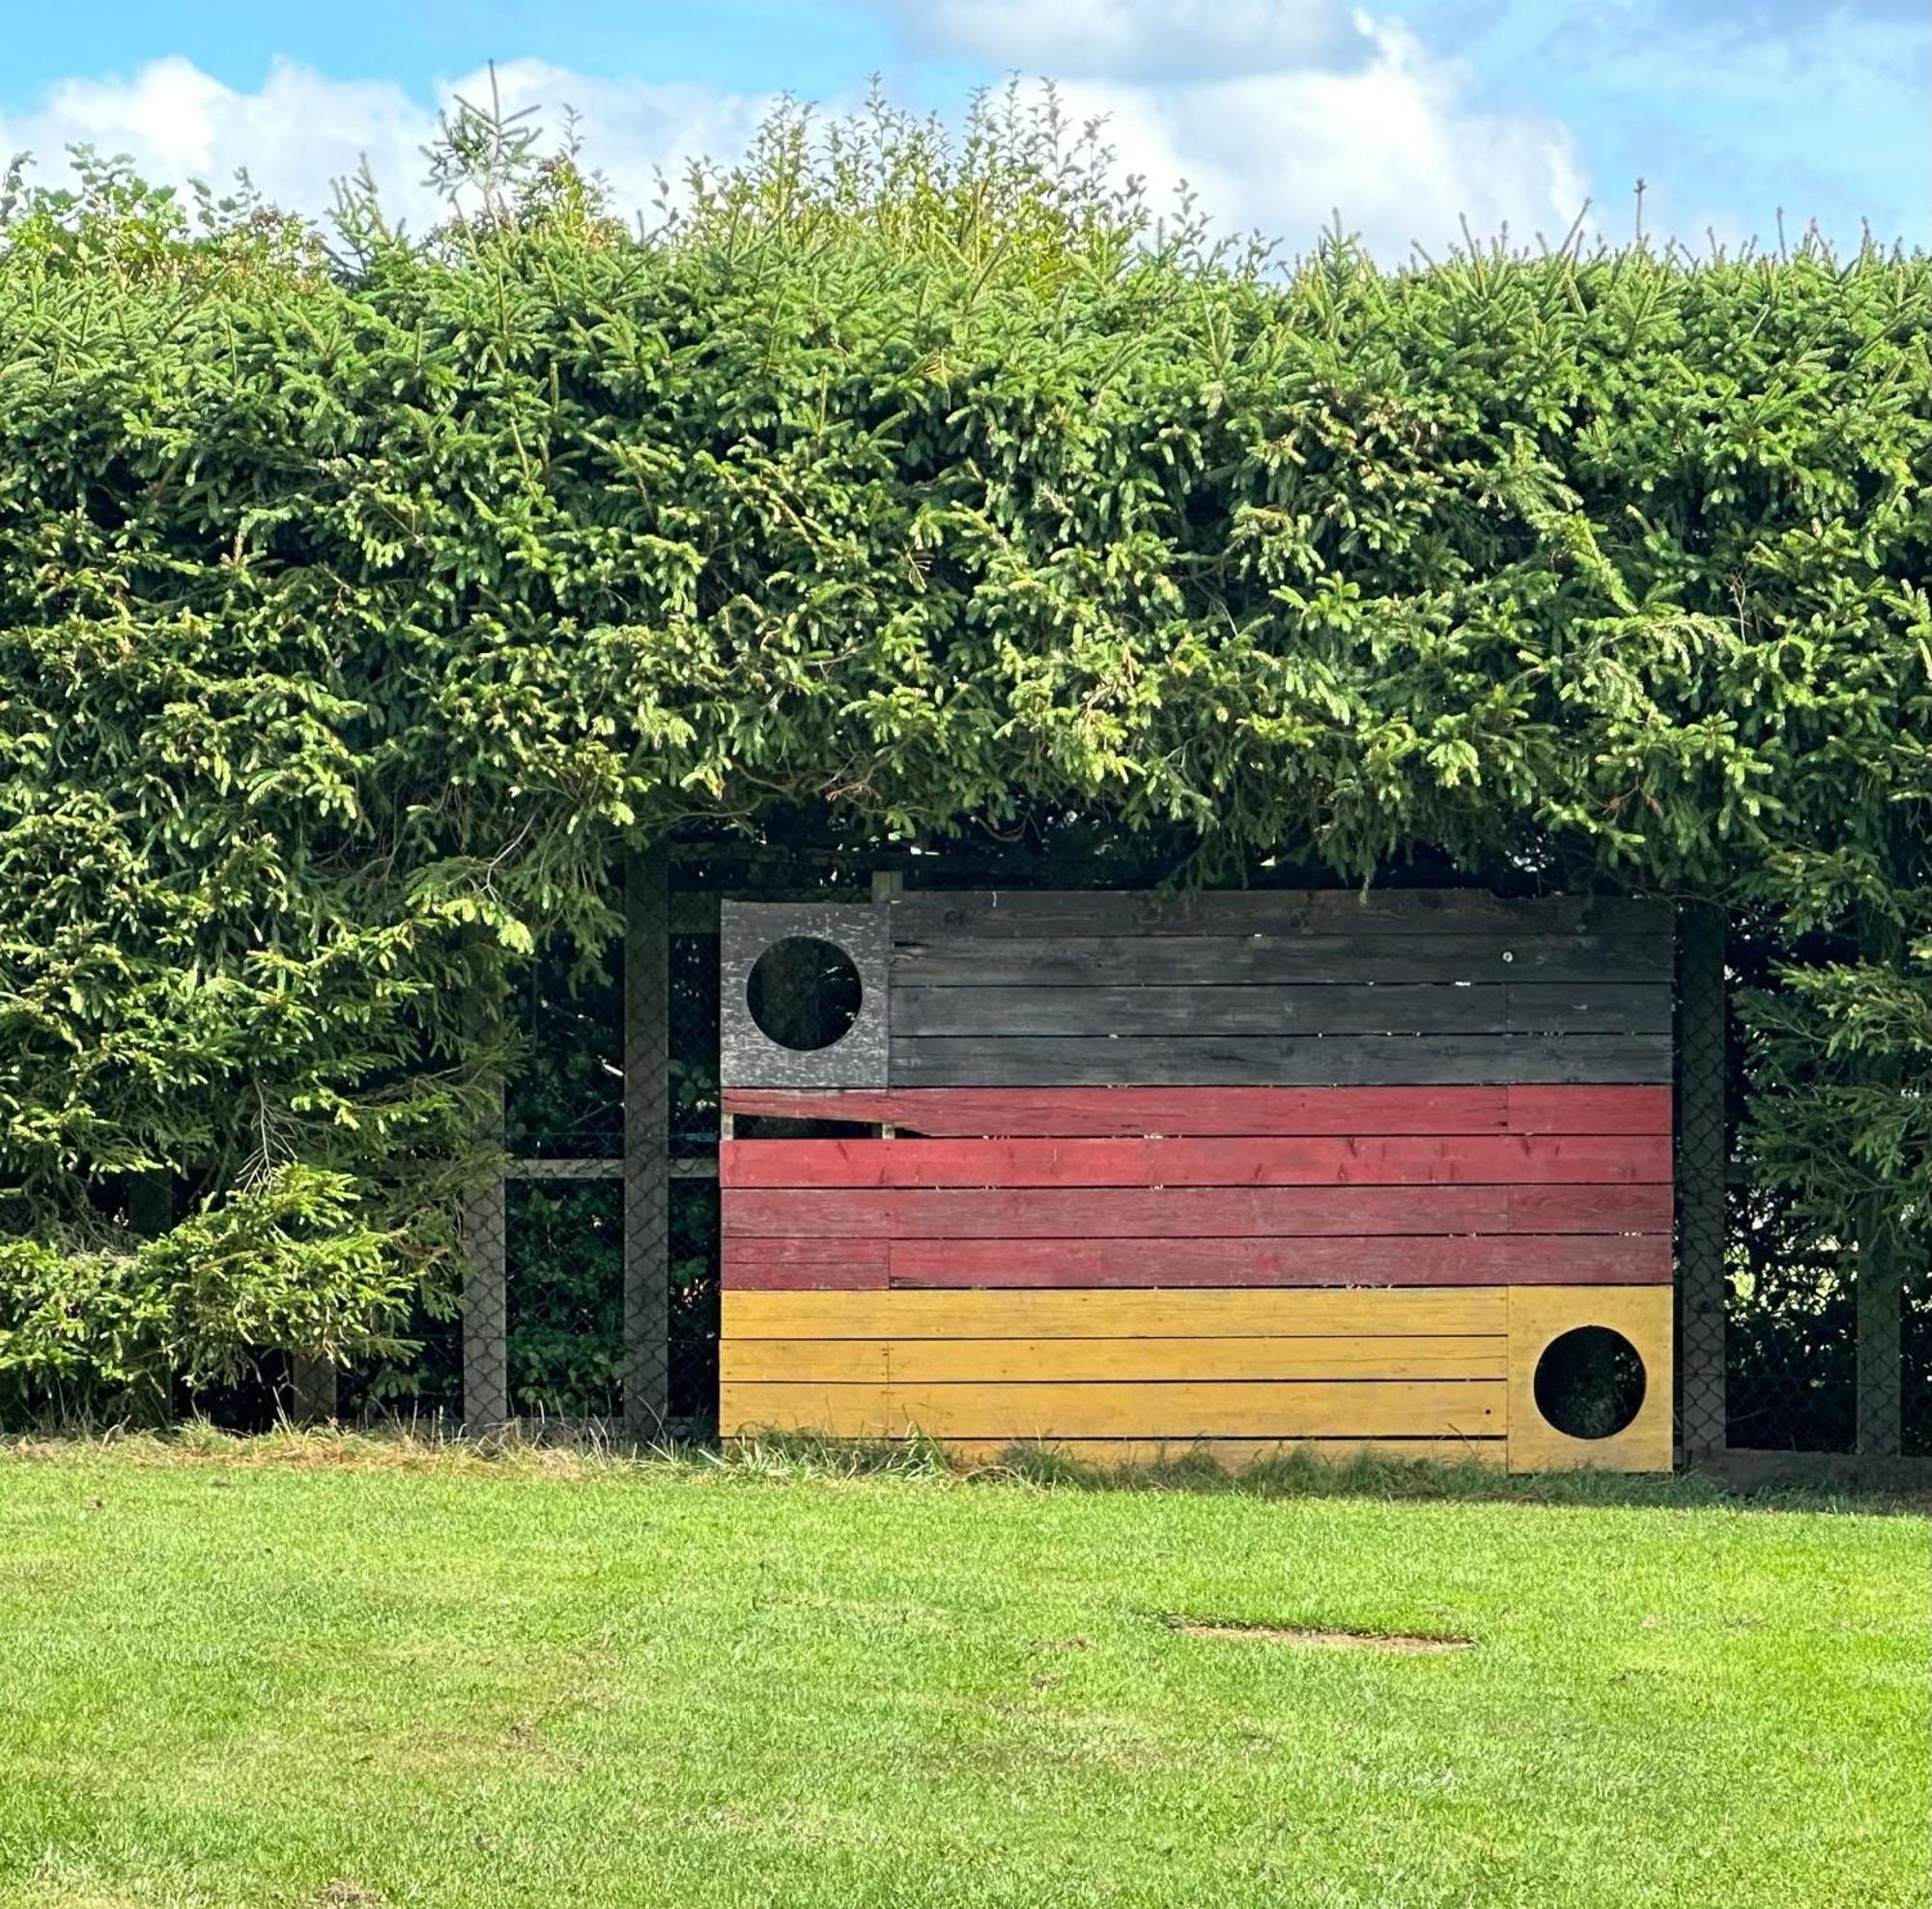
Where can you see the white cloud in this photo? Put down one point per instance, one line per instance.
(294, 135)
(1277, 112)
(1395, 144)
(300, 132)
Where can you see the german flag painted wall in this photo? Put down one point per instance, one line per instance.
(1124, 1175)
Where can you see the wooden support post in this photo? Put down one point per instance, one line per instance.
(150, 1213)
(484, 1223)
(312, 1390)
(886, 884)
(646, 1147)
(1702, 1162)
(1881, 1315)
(1879, 1373)
(1879, 1376)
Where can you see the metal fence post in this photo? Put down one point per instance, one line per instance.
(1702, 1163)
(484, 1223)
(646, 1146)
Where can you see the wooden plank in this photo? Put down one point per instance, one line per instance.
(1188, 1212)
(972, 1111)
(1040, 1361)
(1467, 1311)
(1243, 961)
(1230, 1454)
(806, 1264)
(1492, 1160)
(1647, 1209)
(1336, 1060)
(530, 1168)
(818, 1361)
(1539, 1107)
(1313, 1409)
(1203, 1011)
(1539, 1317)
(1005, 913)
(747, 1056)
(1532, 1258)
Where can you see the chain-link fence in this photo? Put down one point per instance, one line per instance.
(1791, 1351)
(591, 1295)
(593, 1283)
(1776, 1367)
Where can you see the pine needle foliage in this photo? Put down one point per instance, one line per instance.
(362, 595)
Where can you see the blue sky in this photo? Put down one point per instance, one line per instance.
(1405, 114)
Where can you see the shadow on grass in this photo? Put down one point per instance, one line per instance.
(1301, 1473)
(562, 1450)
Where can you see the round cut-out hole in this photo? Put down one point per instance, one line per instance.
(804, 993)
(1590, 1383)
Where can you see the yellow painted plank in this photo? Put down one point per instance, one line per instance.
(1539, 1315)
(806, 1361)
(1315, 1409)
(1097, 1313)
(1234, 1454)
(984, 1361)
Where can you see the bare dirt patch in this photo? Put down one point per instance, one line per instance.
(1314, 1638)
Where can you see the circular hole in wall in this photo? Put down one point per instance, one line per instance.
(804, 993)
(1589, 1382)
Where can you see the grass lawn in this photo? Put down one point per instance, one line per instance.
(313, 1673)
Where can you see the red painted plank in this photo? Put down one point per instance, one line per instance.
(1126, 1111)
(1483, 1159)
(1589, 1110)
(813, 1266)
(1461, 1260)
(1189, 1211)
(1647, 1209)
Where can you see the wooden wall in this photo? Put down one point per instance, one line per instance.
(1248, 1169)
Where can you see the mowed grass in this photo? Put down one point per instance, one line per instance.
(311, 1675)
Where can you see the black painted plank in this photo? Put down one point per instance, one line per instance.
(960, 960)
(1004, 914)
(1394, 1007)
(1306, 1060)
(745, 1056)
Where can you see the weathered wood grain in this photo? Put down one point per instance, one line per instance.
(1232, 1454)
(748, 1058)
(1538, 1107)
(1345, 1008)
(1028, 961)
(1523, 1259)
(1243, 1169)
(1539, 1316)
(970, 1111)
(1419, 1310)
(1339, 1060)
(1188, 1212)
(1315, 1409)
(1492, 1160)
(1041, 1361)
(1005, 913)
(806, 1264)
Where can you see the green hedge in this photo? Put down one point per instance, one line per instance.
(355, 607)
